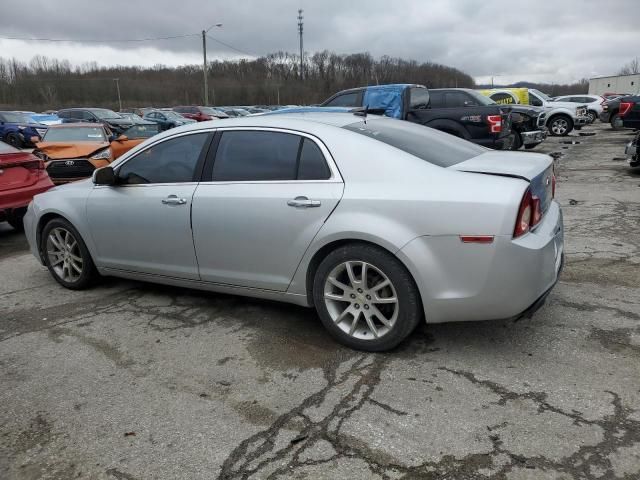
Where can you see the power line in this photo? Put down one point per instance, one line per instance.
(231, 47)
(86, 40)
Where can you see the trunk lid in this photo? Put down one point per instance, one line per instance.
(535, 168)
(19, 170)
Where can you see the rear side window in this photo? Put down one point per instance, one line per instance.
(344, 100)
(255, 155)
(435, 147)
(172, 161)
(312, 165)
(265, 155)
(418, 98)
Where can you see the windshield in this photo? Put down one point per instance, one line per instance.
(435, 147)
(14, 117)
(169, 114)
(543, 96)
(208, 111)
(75, 134)
(142, 131)
(104, 114)
(131, 116)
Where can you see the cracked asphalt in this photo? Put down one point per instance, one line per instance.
(137, 381)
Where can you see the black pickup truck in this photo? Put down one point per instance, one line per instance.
(487, 125)
(629, 111)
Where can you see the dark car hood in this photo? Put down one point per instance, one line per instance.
(32, 125)
(121, 122)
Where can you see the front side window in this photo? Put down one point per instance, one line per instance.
(344, 100)
(255, 156)
(172, 161)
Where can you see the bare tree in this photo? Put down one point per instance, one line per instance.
(630, 68)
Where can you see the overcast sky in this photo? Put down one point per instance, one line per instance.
(553, 41)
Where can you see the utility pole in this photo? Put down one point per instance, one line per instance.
(300, 29)
(204, 63)
(117, 80)
(204, 67)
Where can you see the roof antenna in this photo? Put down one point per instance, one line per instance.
(361, 112)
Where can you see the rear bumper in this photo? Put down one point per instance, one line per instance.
(503, 143)
(470, 282)
(20, 198)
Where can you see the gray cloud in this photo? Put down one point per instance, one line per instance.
(551, 41)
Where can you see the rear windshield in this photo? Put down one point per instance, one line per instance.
(75, 134)
(435, 147)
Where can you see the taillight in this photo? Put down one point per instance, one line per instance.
(525, 215)
(537, 211)
(33, 166)
(624, 108)
(495, 123)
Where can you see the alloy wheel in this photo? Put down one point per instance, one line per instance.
(65, 257)
(559, 126)
(361, 300)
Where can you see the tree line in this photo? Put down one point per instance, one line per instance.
(48, 83)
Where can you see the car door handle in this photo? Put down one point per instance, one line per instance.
(303, 202)
(174, 200)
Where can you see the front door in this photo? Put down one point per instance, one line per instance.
(143, 224)
(269, 193)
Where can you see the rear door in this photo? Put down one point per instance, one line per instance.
(263, 198)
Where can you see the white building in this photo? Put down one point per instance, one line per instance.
(615, 84)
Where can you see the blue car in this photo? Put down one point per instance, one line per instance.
(17, 129)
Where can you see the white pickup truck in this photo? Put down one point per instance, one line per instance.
(561, 118)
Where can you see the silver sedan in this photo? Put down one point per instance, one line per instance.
(377, 223)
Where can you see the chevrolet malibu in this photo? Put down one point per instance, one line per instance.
(377, 223)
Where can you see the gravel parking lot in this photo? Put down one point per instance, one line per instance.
(137, 381)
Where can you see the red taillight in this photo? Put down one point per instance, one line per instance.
(495, 123)
(525, 215)
(34, 166)
(624, 108)
(537, 211)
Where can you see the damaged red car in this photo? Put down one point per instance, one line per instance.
(22, 175)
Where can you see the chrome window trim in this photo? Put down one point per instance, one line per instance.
(333, 167)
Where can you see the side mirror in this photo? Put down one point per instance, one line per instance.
(104, 176)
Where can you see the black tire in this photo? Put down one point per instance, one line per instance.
(616, 122)
(593, 116)
(88, 274)
(15, 217)
(408, 305)
(14, 140)
(560, 125)
(531, 146)
(517, 141)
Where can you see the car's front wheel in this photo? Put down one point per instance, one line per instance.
(560, 125)
(366, 298)
(66, 255)
(14, 140)
(616, 122)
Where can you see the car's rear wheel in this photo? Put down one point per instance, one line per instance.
(366, 298)
(560, 125)
(66, 255)
(616, 122)
(15, 217)
(14, 140)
